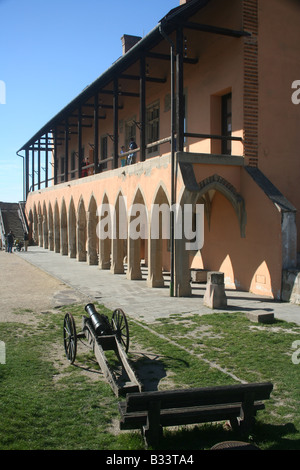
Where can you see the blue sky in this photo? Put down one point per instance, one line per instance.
(49, 52)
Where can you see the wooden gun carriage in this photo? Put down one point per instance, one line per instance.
(103, 335)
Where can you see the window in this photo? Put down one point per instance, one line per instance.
(226, 123)
(62, 169)
(104, 151)
(73, 160)
(152, 126)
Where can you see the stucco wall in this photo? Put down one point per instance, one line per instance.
(253, 262)
(279, 118)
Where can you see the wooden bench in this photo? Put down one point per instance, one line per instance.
(151, 411)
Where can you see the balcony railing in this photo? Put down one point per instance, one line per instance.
(165, 140)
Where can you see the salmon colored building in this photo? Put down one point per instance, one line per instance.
(207, 96)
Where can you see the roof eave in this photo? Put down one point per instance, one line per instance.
(167, 22)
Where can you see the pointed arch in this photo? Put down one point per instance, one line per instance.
(72, 229)
(159, 238)
(63, 229)
(40, 225)
(45, 226)
(35, 233)
(50, 228)
(161, 192)
(56, 228)
(92, 239)
(207, 190)
(104, 213)
(139, 196)
(205, 194)
(137, 236)
(119, 241)
(81, 231)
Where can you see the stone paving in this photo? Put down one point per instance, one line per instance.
(137, 299)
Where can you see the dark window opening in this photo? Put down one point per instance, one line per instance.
(226, 123)
(104, 152)
(152, 126)
(62, 169)
(73, 163)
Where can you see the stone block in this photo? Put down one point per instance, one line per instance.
(215, 277)
(291, 286)
(215, 296)
(260, 316)
(199, 275)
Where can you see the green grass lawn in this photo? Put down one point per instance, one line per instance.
(48, 404)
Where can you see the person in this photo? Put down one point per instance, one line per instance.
(26, 238)
(10, 241)
(132, 146)
(84, 171)
(123, 159)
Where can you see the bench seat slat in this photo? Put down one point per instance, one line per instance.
(198, 396)
(185, 415)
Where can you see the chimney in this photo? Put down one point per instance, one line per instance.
(129, 41)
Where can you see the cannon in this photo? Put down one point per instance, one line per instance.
(99, 325)
(103, 335)
(102, 326)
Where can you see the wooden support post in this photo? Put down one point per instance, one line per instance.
(116, 123)
(26, 172)
(79, 142)
(46, 161)
(39, 164)
(32, 169)
(55, 156)
(96, 134)
(142, 110)
(66, 149)
(179, 91)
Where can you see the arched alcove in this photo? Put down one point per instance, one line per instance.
(56, 228)
(104, 232)
(159, 258)
(137, 236)
(45, 227)
(92, 239)
(50, 228)
(72, 229)
(81, 231)
(63, 229)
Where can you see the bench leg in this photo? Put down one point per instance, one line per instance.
(235, 424)
(247, 414)
(152, 431)
(245, 422)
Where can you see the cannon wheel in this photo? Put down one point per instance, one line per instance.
(120, 327)
(70, 337)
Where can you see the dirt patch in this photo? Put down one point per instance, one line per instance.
(26, 289)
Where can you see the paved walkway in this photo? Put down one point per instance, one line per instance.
(137, 299)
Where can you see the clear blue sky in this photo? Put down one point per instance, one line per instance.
(49, 52)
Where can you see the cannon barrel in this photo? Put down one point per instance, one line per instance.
(100, 322)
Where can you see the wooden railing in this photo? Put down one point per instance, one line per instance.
(165, 140)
